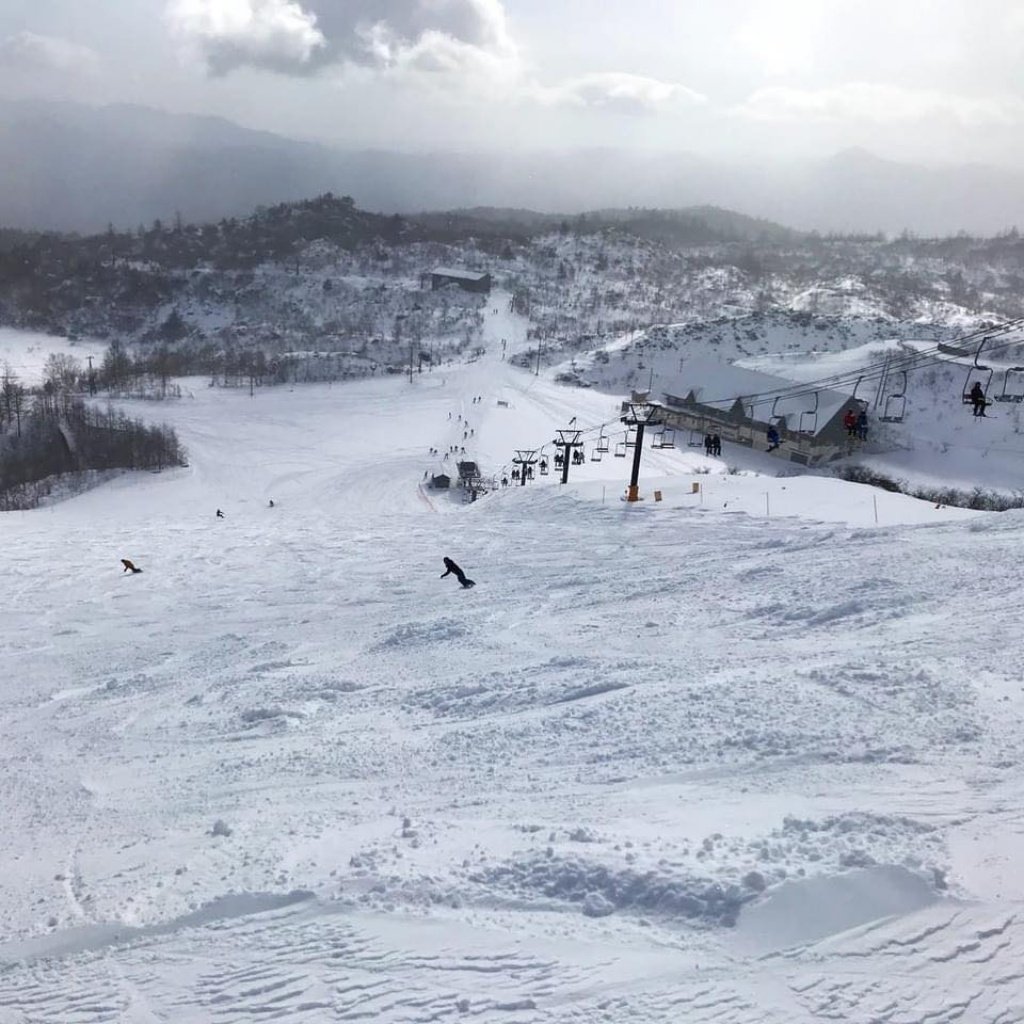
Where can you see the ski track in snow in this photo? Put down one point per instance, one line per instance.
(667, 762)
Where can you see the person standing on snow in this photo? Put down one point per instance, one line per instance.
(450, 568)
(862, 425)
(850, 422)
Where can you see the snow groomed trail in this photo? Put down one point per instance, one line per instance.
(679, 761)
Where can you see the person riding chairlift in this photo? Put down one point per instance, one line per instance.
(978, 400)
(773, 438)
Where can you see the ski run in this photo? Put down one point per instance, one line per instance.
(751, 754)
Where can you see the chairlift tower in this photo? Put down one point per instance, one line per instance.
(640, 415)
(568, 441)
(525, 457)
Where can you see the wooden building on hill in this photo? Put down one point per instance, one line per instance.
(467, 280)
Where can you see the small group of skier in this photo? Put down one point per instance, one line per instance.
(856, 424)
(712, 445)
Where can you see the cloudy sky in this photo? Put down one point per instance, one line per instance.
(931, 80)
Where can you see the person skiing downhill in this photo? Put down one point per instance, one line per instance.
(450, 568)
(129, 565)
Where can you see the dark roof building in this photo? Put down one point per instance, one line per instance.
(709, 396)
(468, 280)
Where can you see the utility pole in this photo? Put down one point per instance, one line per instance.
(540, 348)
(568, 441)
(92, 378)
(525, 459)
(640, 415)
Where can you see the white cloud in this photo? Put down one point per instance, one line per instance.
(878, 104)
(301, 36)
(620, 92)
(32, 52)
(472, 50)
(462, 48)
(279, 35)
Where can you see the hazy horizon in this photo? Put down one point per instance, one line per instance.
(847, 116)
(926, 81)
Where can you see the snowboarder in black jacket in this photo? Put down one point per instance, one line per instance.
(450, 568)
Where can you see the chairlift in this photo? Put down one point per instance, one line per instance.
(745, 427)
(808, 422)
(977, 374)
(595, 453)
(602, 444)
(1013, 385)
(543, 467)
(664, 438)
(620, 449)
(697, 435)
(631, 433)
(894, 405)
(777, 419)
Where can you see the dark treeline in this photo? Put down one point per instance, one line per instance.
(148, 373)
(50, 279)
(50, 439)
(145, 286)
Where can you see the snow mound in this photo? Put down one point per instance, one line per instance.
(600, 889)
(802, 911)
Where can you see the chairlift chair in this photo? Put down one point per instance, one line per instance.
(664, 438)
(630, 441)
(894, 406)
(602, 444)
(808, 423)
(620, 450)
(543, 467)
(745, 428)
(777, 419)
(595, 453)
(894, 410)
(977, 374)
(1013, 385)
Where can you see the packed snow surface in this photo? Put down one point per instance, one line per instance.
(25, 352)
(751, 753)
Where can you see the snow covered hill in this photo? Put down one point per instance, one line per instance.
(738, 755)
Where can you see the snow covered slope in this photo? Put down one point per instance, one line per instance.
(682, 760)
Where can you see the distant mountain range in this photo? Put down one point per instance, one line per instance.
(66, 166)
